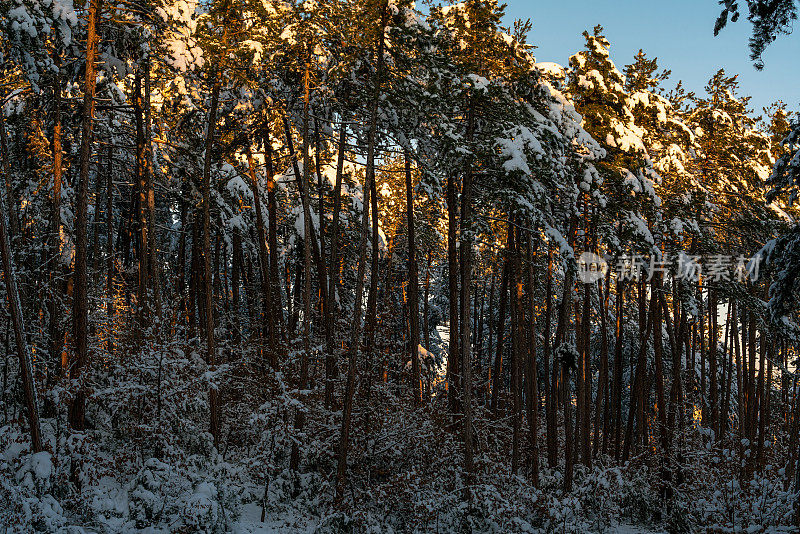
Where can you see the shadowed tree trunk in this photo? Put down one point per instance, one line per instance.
(263, 263)
(532, 372)
(208, 289)
(347, 409)
(80, 306)
(110, 311)
(453, 372)
(413, 282)
(15, 309)
(497, 371)
(551, 402)
(56, 330)
(331, 370)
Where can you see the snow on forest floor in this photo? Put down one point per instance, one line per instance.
(250, 523)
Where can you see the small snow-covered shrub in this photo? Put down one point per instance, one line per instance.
(26, 483)
(202, 511)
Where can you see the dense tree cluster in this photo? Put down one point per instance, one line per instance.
(323, 264)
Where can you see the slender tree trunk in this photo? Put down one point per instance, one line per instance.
(712, 355)
(56, 330)
(80, 312)
(263, 263)
(490, 320)
(479, 316)
(142, 179)
(304, 195)
(13, 219)
(551, 401)
(236, 269)
(752, 392)
(453, 374)
(208, 290)
(566, 364)
(601, 408)
(413, 282)
(532, 371)
(517, 346)
(347, 410)
(465, 250)
(96, 226)
(726, 371)
(586, 379)
(152, 235)
(110, 310)
(658, 352)
(703, 355)
(676, 390)
(425, 326)
(639, 390)
(616, 396)
(497, 371)
(272, 239)
(299, 420)
(15, 309)
(331, 370)
(738, 355)
(566, 400)
(760, 414)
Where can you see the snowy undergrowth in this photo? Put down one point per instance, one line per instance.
(148, 464)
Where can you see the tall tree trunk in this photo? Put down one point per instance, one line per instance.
(142, 172)
(601, 407)
(353, 350)
(425, 306)
(110, 310)
(465, 250)
(639, 390)
(726, 373)
(304, 195)
(15, 309)
(490, 320)
(299, 419)
(413, 282)
(236, 269)
(760, 413)
(551, 402)
(208, 290)
(532, 371)
(703, 356)
(616, 396)
(372, 320)
(152, 236)
(586, 378)
(676, 390)
(333, 270)
(453, 372)
(565, 365)
(13, 219)
(272, 239)
(56, 330)
(263, 263)
(80, 312)
(658, 354)
(497, 371)
(517, 346)
(96, 226)
(712, 355)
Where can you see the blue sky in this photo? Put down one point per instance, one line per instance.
(678, 32)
